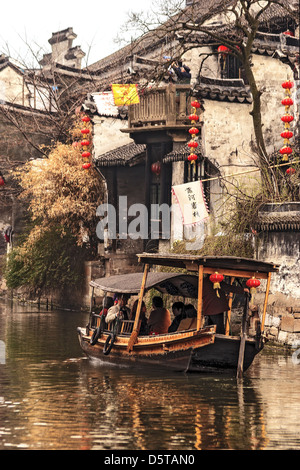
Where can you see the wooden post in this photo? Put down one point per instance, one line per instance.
(265, 303)
(229, 310)
(240, 366)
(135, 330)
(200, 288)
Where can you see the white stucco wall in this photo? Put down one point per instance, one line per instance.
(108, 135)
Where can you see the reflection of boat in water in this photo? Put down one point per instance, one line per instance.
(196, 349)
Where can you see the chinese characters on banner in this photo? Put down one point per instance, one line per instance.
(105, 103)
(191, 200)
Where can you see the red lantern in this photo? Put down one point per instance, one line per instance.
(195, 104)
(85, 154)
(287, 118)
(216, 278)
(85, 143)
(286, 150)
(193, 131)
(288, 33)
(194, 117)
(223, 49)
(287, 102)
(290, 171)
(85, 131)
(286, 134)
(253, 284)
(85, 119)
(193, 144)
(156, 168)
(86, 166)
(192, 157)
(287, 84)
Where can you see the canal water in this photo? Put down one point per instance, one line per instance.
(53, 398)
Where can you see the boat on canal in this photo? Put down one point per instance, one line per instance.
(195, 349)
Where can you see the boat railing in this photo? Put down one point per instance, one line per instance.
(123, 326)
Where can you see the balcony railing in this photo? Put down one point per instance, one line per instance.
(161, 107)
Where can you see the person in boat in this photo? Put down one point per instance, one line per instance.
(120, 309)
(144, 330)
(190, 320)
(160, 317)
(108, 302)
(214, 305)
(178, 312)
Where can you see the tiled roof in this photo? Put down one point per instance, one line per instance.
(279, 217)
(62, 35)
(226, 89)
(280, 221)
(181, 153)
(127, 155)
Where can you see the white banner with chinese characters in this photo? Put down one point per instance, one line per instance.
(105, 104)
(192, 203)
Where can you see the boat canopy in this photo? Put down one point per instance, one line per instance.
(185, 285)
(222, 263)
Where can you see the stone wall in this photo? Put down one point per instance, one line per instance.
(282, 326)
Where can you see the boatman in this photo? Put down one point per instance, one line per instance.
(214, 306)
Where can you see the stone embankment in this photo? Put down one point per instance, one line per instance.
(282, 326)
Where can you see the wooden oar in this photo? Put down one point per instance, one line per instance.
(240, 366)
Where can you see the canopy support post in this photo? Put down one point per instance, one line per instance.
(265, 303)
(240, 366)
(136, 325)
(200, 288)
(228, 317)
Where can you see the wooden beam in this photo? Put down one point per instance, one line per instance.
(236, 273)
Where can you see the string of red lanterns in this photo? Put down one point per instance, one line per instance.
(85, 143)
(287, 118)
(193, 131)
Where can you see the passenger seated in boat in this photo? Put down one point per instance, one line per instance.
(214, 306)
(108, 302)
(120, 309)
(160, 317)
(190, 322)
(144, 330)
(178, 312)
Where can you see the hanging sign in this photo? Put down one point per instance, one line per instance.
(191, 199)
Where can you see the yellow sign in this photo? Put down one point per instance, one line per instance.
(125, 95)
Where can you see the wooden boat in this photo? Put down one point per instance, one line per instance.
(197, 349)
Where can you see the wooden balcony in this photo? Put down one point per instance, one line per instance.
(164, 108)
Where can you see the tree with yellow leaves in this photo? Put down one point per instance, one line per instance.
(62, 199)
